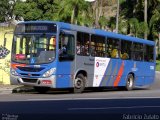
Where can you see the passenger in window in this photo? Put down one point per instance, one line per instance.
(86, 49)
(63, 46)
(125, 56)
(52, 44)
(63, 50)
(78, 48)
(93, 52)
(114, 53)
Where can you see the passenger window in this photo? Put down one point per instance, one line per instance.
(125, 49)
(137, 51)
(98, 46)
(82, 47)
(113, 50)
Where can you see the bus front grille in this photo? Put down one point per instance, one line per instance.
(29, 80)
(30, 69)
(25, 75)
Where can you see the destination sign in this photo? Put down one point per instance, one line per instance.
(36, 28)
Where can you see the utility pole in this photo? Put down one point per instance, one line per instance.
(145, 17)
(117, 16)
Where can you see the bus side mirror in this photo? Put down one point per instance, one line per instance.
(5, 41)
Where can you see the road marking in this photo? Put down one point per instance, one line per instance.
(60, 99)
(104, 108)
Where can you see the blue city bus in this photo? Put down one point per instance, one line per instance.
(48, 54)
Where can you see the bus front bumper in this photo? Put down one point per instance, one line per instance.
(41, 82)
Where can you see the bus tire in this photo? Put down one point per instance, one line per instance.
(41, 90)
(129, 82)
(79, 83)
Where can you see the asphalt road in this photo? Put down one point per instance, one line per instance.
(108, 104)
(112, 108)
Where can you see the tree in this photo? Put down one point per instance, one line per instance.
(123, 26)
(103, 22)
(117, 16)
(112, 24)
(143, 28)
(35, 9)
(6, 10)
(72, 11)
(145, 17)
(134, 26)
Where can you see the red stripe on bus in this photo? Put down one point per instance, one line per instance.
(14, 66)
(120, 72)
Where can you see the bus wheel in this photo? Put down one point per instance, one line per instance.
(79, 83)
(41, 89)
(129, 82)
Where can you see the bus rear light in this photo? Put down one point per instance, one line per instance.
(47, 82)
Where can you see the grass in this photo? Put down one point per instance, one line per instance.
(158, 65)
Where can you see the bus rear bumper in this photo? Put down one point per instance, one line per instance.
(41, 82)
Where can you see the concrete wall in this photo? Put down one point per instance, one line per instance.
(5, 63)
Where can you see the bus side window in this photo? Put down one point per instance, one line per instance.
(113, 48)
(137, 51)
(97, 46)
(125, 49)
(66, 47)
(82, 47)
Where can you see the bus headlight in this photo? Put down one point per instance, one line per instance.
(13, 72)
(49, 72)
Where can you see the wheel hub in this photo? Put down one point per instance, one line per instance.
(78, 83)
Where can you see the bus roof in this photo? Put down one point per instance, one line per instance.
(95, 31)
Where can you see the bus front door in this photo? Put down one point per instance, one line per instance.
(66, 62)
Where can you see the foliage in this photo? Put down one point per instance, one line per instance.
(6, 9)
(103, 22)
(134, 26)
(158, 65)
(123, 27)
(35, 9)
(131, 19)
(133, 12)
(74, 11)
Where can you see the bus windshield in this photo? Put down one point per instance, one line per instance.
(33, 48)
